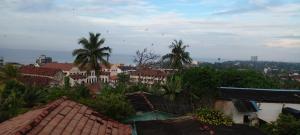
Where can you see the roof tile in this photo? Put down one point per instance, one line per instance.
(63, 117)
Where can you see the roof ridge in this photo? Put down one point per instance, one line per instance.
(35, 121)
(147, 101)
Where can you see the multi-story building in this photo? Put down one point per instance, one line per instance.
(1, 62)
(43, 59)
(148, 76)
(254, 58)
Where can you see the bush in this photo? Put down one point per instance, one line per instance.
(212, 117)
(113, 104)
(284, 125)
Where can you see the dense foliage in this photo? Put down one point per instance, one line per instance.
(284, 125)
(113, 104)
(200, 82)
(16, 98)
(246, 79)
(212, 117)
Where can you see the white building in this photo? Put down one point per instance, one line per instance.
(148, 76)
(249, 106)
(43, 59)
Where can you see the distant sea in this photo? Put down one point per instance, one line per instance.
(29, 56)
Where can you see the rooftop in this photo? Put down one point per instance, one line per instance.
(260, 95)
(146, 102)
(39, 71)
(61, 66)
(36, 80)
(189, 126)
(63, 116)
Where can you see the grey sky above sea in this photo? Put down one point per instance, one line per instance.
(29, 56)
(234, 30)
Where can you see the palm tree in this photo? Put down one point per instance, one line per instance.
(92, 53)
(172, 87)
(178, 56)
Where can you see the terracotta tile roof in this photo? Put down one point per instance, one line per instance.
(77, 76)
(39, 71)
(36, 80)
(149, 72)
(61, 66)
(260, 95)
(63, 117)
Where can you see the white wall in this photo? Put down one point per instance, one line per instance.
(270, 111)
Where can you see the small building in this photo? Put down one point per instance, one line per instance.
(249, 105)
(41, 75)
(63, 116)
(43, 59)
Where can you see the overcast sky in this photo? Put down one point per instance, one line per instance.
(229, 29)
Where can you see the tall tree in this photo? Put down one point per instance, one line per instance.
(145, 57)
(178, 56)
(93, 53)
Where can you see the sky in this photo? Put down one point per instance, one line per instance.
(227, 29)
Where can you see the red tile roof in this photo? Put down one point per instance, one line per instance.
(61, 66)
(36, 80)
(63, 117)
(149, 72)
(39, 71)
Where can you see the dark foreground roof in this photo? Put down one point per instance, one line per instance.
(146, 102)
(260, 95)
(190, 127)
(63, 117)
(291, 111)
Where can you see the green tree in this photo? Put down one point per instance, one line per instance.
(200, 83)
(92, 53)
(172, 87)
(33, 95)
(113, 104)
(67, 84)
(9, 72)
(178, 56)
(284, 125)
(123, 78)
(81, 91)
(245, 79)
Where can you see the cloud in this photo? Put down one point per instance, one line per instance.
(284, 43)
(135, 24)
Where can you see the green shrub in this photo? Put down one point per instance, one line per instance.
(113, 104)
(212, 117)
(284, 125)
